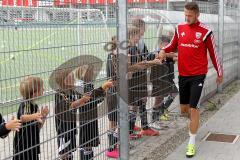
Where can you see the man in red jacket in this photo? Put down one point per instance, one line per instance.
(193, 39)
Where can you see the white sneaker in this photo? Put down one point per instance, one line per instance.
(159, 125)
(155, 125)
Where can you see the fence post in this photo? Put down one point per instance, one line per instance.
(220, 34)
(238, 20)
(123, 83)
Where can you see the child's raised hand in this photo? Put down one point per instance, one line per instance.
(140, 66)
(80, 102)
(129, 75)
(38, 117)
(44, 111)
(14, 124)
(155, 61)
(107, 85)
(175, 59)
(84, 99)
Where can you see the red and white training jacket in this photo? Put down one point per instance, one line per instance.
(192, 42)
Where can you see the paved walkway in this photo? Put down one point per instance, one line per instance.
(226, 121)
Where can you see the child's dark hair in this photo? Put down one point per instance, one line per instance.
(85, 73)
(29, 86)
(139, 23)
(60, 76)
(165, 39)
(133, 31)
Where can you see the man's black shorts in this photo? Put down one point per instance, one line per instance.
(190, 89)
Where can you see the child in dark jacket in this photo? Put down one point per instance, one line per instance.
(143, 55)
(164, 88)
(112, 101)
(27, 140)
(88, 113)
(6, 127)
(138, 85)
(66, 113)
(72, 96)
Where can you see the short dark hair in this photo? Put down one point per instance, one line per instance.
(133, 31)
(60, 76)
(193, 6)
(165, 39)
(137, 22)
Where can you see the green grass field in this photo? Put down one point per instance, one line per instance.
(38, 51)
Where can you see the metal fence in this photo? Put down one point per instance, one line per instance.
(75, 52)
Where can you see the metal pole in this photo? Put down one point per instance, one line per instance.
(106, 9)
(167, 5)
(79, 15)
(88, 7)
(238, 20)
(220, 33)
(123, 83)
(146, 4)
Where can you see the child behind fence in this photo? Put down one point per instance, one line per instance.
(27, 140)
(137, 86)
(88, 113)
(112, 99)
(65, 113)
(164, 80)
(144, 56)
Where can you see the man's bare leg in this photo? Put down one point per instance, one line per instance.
(193, 128)
(194, 120)
(185, 109)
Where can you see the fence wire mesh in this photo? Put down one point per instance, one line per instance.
(60, 68)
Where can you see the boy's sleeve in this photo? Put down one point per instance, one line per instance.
(3, 130)
(168, 60)
(150, 55)
(20, 111)
(133, 53)
(24, 109)
(60, 105)
(145, 49)
(98, 94)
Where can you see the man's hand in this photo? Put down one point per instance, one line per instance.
(175, 57)
(161, 56)
(219, 80)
